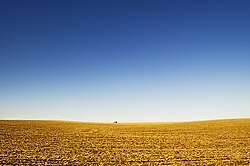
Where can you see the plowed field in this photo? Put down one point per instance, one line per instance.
(222, 142)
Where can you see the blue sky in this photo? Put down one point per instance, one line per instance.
(123, 60)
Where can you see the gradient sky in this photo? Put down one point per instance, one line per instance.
(125, 60)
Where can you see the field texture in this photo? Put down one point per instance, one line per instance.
(222, 142)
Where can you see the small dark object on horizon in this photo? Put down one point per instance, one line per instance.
(115, 122)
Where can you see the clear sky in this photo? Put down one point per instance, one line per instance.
(125, 60)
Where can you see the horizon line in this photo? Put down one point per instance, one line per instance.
(67, 120)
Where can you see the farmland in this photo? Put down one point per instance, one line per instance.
(222, 142)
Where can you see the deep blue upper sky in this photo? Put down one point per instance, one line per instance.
(63, 55)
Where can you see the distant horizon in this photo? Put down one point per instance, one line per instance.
(200, 120)
(127, 60)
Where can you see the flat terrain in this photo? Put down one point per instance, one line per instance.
(222, 142)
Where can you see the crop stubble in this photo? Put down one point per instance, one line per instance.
(223, 142)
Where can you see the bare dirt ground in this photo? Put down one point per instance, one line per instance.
(220, 142)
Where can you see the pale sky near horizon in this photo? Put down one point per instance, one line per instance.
(128, 60)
